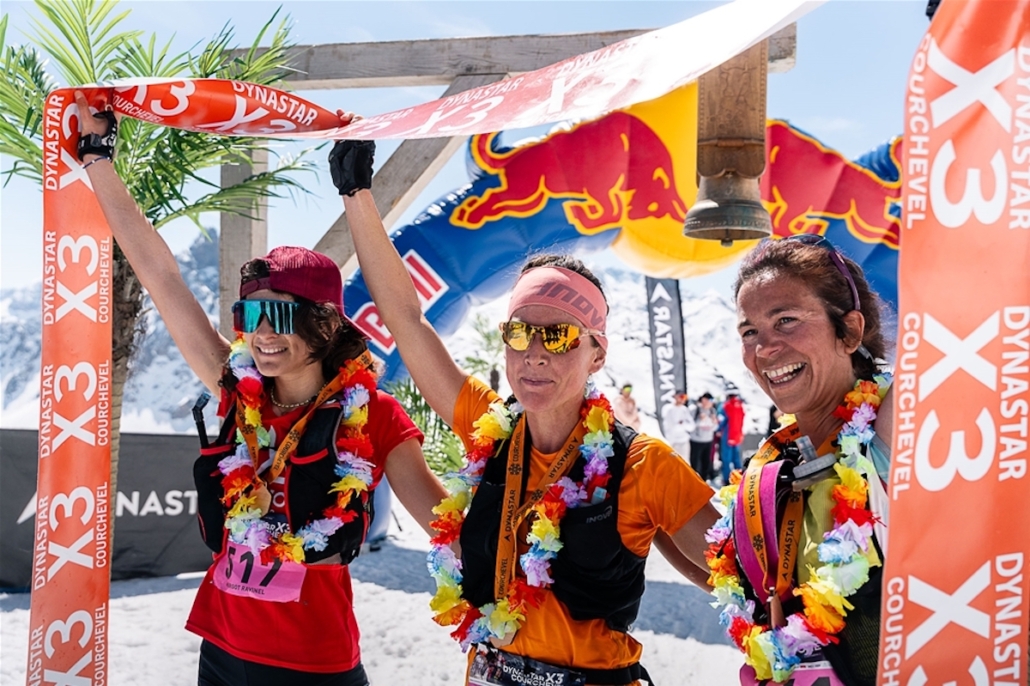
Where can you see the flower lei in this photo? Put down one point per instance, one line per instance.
(845, 554)
(476, 625)
(245, 519)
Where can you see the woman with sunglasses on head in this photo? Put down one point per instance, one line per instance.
(562, 501)
(284, 494)
(799, 569)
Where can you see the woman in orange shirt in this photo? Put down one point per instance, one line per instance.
(562, 501)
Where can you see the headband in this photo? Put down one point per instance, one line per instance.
(564, 290)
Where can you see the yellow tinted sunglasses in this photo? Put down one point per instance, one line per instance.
(556, 338)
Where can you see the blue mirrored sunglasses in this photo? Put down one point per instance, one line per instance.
(835, 257)
(247, 314)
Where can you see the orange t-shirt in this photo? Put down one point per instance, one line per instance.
(659, 490)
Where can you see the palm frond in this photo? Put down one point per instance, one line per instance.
(441, 447)
(82, 40)
(162, 167)
(135, 59)
(240, 199)
(22, 96)
(265, 66)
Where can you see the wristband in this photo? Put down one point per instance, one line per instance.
(102, 157)
(100, 144)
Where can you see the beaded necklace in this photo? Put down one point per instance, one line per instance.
(845, 555)
(506, 615)
(243, 486)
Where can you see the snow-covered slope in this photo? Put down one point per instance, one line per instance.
(161, 388)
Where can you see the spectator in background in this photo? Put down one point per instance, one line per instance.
(731, 428)
(705, 423)
(677, 425)
(626, 408)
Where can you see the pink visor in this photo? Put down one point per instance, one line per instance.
(563, 290)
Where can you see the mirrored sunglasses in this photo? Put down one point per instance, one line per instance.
(247, 314)
(556, 338)
(835, 257)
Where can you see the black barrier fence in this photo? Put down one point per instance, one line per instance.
(155, 509)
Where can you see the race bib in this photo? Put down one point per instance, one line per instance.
(806, 674)
(239, 571)
(496, 668)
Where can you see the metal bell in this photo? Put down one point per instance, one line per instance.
(731, 151)
(728, 208)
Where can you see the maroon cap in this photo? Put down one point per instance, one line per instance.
(300, 272)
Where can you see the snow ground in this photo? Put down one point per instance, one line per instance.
(400, 644)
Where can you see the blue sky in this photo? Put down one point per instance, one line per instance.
(847, 88)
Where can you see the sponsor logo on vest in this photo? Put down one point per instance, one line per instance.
(600, 517)
(517, 675)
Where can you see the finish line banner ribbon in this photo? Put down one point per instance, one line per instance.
(635, 70)
(70, 577)
(955, 581)
(70, 571)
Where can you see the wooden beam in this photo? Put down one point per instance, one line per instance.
(240, 238)
(435, 61)
(401, 179)
(783, 49)
(440, 61)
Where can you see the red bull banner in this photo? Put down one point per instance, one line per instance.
(955, 583)
(624, 181)
(810, 188)
(70, 569)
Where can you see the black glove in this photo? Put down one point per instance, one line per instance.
(100, 144)
(350, 163)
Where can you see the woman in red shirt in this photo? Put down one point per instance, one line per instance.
(284, 493)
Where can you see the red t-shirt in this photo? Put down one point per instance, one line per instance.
(319, 632)
(733, 408)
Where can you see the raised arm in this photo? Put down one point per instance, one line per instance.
(204, 349)
(435, 373)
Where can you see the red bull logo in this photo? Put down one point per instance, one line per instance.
(807, 185)
(610, 170)
(429, 286)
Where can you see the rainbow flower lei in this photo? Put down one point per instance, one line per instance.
(846, 554)
(476, 625)
(245, 519)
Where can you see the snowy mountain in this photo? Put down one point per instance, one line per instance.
(161, 389)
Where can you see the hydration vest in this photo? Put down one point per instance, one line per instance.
(308, 475)
(595, 575)
(855, 655)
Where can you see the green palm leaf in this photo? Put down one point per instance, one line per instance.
(84, 43)
(78, 42)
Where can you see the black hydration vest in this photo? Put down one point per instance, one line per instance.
(855, 655)
(309, 474)
(595, 575)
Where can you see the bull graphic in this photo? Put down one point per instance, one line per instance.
(611, 170)
(806, 185)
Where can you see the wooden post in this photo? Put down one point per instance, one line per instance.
(241, 238)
